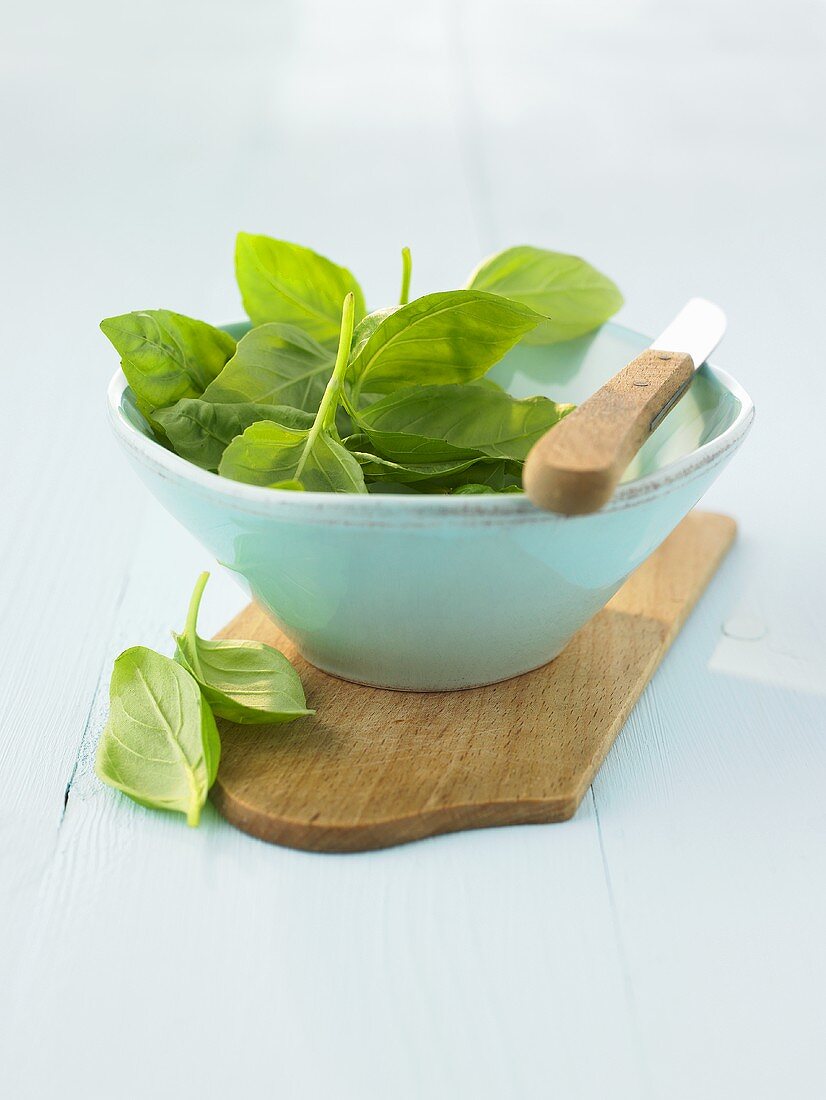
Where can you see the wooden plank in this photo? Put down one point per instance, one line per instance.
(376, 768)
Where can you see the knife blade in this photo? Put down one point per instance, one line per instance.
(696, 330)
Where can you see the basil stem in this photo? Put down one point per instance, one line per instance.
(407, 268)
(326, 415)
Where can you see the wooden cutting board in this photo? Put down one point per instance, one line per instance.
(375, 768)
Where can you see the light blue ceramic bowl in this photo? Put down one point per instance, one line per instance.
(438, 592)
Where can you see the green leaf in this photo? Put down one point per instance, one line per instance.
(409, 449)
(200, 431)
(367, 326)
(500, 475)
(473, 489)
(166, 356)
(473, 419)
(291, 484)
(570, 292)
(160, 745)
(284, 282)
(246, 682)
(376, 468)
(152, 421)
(269, 453)
(442, 338)
(275, 365)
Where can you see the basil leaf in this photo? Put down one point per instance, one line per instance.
(284, 282)
(368, 325)
(488, 384)
(475, 490)
(377, 468)
(471, 418)
(408, 448)
(166, 356)
(275, 365)
(268, 453)
(152, 421)
(160, 745)
(200, 431)
(441, 338)
(498, 475)
(246, 682)
(570, 292)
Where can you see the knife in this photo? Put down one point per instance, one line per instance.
(576, 466)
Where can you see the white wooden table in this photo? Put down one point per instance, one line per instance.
(670, 941)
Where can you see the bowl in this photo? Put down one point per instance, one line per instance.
(434, 593)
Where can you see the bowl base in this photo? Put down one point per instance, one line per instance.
(428, 690)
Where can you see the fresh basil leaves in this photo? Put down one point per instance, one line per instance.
(454, 336)
(166, 356)
(573, 296)
(316, 396)
(160, 745)
(275, 365)
(201, 431)
(269, 453)
(380, 469)
(246, 682)
(474, 419)
(285, 282)
(472, 489)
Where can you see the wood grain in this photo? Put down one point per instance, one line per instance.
(376, 768)
(576, 466)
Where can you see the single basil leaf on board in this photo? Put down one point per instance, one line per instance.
(269, 453)
(245, 682)
(573, 295)
(200, 431)
(455, 336)
(285, 282)
(275, 365)
(472, 418)
(160, 745)
(166, 356)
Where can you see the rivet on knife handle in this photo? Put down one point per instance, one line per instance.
(575, 467)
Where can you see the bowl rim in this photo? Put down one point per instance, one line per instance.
(264, 500)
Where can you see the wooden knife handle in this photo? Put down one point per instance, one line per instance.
(574, 468)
